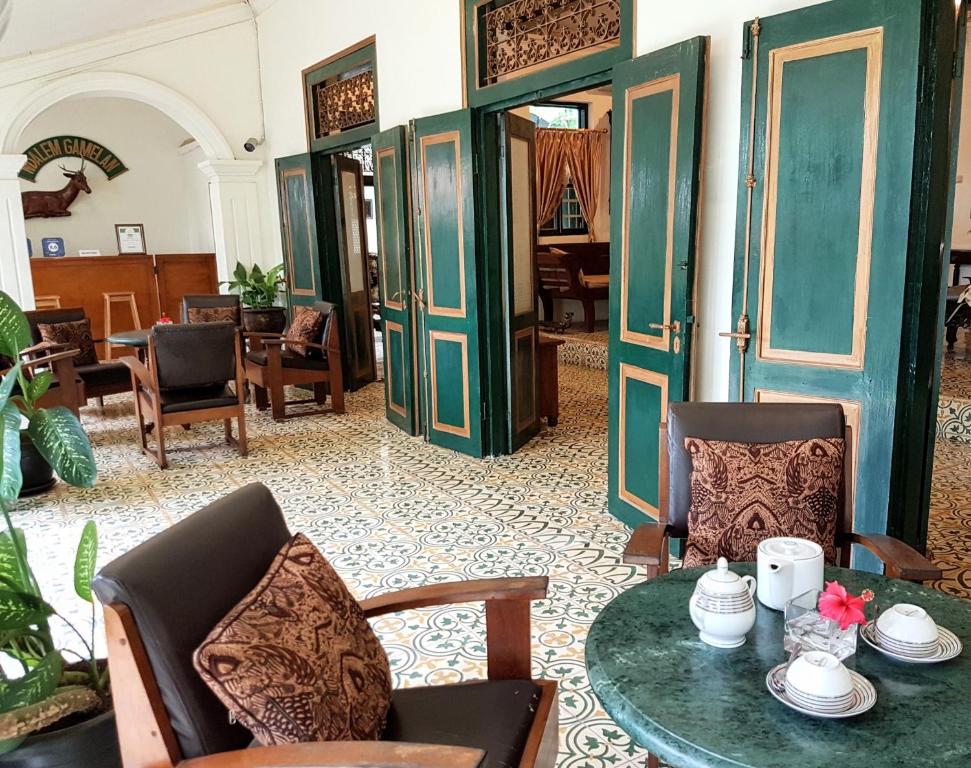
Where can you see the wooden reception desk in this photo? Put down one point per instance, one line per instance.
(158, 281)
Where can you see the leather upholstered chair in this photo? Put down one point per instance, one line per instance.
(270, 367)
(210, 301)
(100, 378)
(163, 598)
(186, 381)
(60, 363)
(757, 423)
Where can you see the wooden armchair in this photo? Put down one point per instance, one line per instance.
(270, 367)
(162, 598)
(757, 422)
(577, 276)
(67, 388)
(185, 382)
(100, 378)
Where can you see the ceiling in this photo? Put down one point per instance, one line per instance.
(39, 25)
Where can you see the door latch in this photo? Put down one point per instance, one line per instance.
(674, 327)
(741, 333)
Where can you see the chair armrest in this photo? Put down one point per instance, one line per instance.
(138, 369)
(260, 335)
(646, 545)
(45, 346)
(473, 591)
(281, 341)
(53, 358)
(506, 600)
(344, 754)
(901, 561)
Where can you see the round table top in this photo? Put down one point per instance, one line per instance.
(136, 338)
(695, 706)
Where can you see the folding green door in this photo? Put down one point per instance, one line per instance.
(298, 228)
(658, 123)
(394, 264)
(842, 202)
(518, 196)
(447, 285)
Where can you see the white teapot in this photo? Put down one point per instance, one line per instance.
(722, 606)
(787, 567)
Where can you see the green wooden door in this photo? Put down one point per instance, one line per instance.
(447, 285)
(298, 229)
(394, 265)
(658, 124)
(518, 199)
(839, 199)
(358, 350)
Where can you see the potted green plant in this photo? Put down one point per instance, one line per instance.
(55, 703)
(259, 290)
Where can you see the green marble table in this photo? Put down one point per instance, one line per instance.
(695, 706)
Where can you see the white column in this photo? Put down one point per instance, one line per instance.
(235, 212)
(15, 278)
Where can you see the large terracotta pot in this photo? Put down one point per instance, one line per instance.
(38, 474)
(271, 320)
(91, 743)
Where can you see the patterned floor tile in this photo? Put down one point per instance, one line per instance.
(392, 512)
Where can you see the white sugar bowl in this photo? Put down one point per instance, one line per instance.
(722, 606)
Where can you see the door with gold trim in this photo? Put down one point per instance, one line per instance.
(656, 164)
(447, 285)
(517, 190)
(298, 229)
(393, 218)
(833, 212)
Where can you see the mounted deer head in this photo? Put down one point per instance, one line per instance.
(77, 176)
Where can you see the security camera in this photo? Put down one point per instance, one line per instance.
(251, 144)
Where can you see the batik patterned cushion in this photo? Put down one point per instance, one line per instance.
(742, 493)
(307, 326)
(213, 315)
(296, 660)
(76, 334)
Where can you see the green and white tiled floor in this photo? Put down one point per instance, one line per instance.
(391, 511)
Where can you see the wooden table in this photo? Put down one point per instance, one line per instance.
(549, 379)
(695, 706)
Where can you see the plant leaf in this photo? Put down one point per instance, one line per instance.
(240, 273)
(8, 382)
(14, 331)
(35, 686)
(11, 477)
(85, 560)
(21, 609)
(60, 439)
(10, 571)
(38, 385)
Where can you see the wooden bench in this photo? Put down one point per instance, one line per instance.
(577, 271)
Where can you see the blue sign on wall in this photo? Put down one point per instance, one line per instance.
(53, 246)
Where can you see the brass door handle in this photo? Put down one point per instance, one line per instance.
(728, 335)
(674, 327)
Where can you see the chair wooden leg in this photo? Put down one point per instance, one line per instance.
(101, 405)
(337, 391)
(259, 395)
(320, 393)
(160, 449)
(589, 314)
(653, 761)
(228, 430)
(277, 403)
(241, 428)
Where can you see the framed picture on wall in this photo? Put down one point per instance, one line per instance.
(131, 238)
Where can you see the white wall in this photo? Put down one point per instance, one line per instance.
(163, 189)
(961, 230)
(419, 73)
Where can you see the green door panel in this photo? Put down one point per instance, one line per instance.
(446, 281)
(517, 190)
(821, 270)
(658, 124)
(394, 264)
(298, 228)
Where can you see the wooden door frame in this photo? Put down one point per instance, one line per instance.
(489, 258)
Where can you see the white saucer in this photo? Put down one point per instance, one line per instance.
(864, 694)
(948, 646)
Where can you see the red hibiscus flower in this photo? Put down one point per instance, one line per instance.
(840, 606)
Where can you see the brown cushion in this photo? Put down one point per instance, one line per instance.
(742, 493)
(213, 315)
(296, 660)
(306, 328)
(76, 334)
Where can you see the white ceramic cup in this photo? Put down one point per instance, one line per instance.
(819, 674)
(908, 625)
